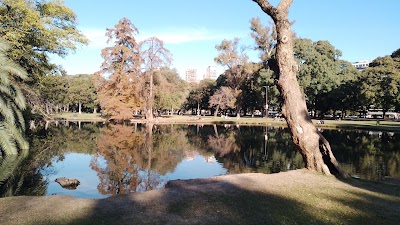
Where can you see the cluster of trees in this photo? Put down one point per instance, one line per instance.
(134, 76)
(68, 93)
(31, 31)
(379, 84)
(330, 85)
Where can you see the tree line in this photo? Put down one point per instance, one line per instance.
(135, 78)
(330, 85)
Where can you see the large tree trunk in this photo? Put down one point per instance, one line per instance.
(314, 148)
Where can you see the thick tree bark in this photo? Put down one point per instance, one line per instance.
(314, 148)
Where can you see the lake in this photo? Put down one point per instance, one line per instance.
(111, 159)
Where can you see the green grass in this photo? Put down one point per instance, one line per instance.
(296, 197)
(333, 124)
(77, 116)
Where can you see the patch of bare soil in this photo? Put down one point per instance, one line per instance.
(295, 197)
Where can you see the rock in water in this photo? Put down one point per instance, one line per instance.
(68, 183)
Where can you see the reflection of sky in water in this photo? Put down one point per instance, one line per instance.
(196, 167)
(76, 165)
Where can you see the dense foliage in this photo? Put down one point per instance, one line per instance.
(35, 30)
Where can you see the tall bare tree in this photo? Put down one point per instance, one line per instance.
(314, 148)
(155, 55)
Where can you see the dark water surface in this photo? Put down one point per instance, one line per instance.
(118, 159)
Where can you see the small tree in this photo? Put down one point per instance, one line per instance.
(224, 98)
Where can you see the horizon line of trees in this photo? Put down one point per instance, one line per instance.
(135, 77)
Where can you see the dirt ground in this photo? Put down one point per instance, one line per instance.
(295, 197)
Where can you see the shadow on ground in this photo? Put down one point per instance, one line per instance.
(296, 197)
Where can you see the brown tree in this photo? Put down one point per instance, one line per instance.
(119, 94)
(239, 66)
(223, 98)
(122, 150)
(155, 55)
(314, 148)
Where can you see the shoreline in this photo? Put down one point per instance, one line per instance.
(388, 126)
(293, 197)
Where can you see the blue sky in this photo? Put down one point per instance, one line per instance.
(361, 29)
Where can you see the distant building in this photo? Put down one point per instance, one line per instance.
(211, 73)
(361, 65)
(191, 75)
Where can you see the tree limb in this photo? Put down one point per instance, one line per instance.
(284, 5)
(268, 8)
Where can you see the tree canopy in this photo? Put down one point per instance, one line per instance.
(36, 29)
(380, 83)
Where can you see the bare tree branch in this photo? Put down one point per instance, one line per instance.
(284, 5)
(267, 8)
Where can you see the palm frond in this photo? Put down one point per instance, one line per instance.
(15, 70)
(18, 137)
(19, 99)
(6, 111)
(19, 118)
(4, 81)
(7, 142)
(12, 102)
(5, 90)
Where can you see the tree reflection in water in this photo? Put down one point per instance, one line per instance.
(130, 158)
(373, 155)
(46, 144)
(249, 148)
(136, 159)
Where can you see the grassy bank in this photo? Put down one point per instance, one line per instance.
(77, 116)
(295, 197)
(328, 124)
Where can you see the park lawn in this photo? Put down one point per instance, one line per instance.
(77, 116)
(294, 197)
(189, 119)
(361, 124)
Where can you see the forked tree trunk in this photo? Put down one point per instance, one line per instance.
(314, 148)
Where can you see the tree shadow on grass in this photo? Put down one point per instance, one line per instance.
(224, 202)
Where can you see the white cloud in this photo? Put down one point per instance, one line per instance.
(98, 39)
(179, 36)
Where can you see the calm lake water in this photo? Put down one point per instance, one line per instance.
(118, 159)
